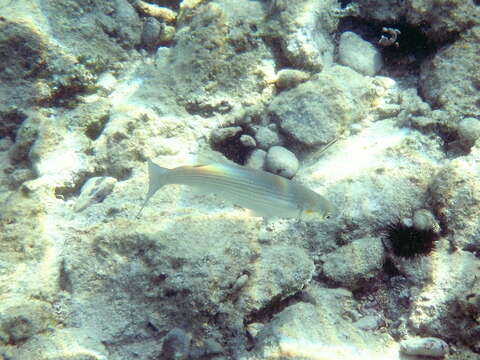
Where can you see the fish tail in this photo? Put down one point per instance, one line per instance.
(157, 177)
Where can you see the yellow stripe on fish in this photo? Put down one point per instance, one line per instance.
(266, 194)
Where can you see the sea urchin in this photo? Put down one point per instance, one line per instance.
(407, 241)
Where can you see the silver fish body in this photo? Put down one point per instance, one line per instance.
(266, 194)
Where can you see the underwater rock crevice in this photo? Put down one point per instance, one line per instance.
(406, 54)
(275, 306)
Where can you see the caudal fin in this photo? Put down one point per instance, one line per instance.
(156, 179)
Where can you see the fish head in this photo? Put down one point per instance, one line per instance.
(319, 207)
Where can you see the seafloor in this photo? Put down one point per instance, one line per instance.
(373, 104)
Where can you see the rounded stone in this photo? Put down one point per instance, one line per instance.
(423, 220)
(248, 141)
(359, 54)
(151, 33)
(167, 34)
(289, 78)
(222, 134)
(424, 346)
(281, 161)
(469, 130)
(256, 159)
(266, 137)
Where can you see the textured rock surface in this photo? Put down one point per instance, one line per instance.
(359, 54)
(303, 29)
(441, 19)
(281, 161)
(85, 100)
(304, 330)
(216, 53)
(450, 79)
(424, 346)
(336, 99)
(352, 265)
(456, 194)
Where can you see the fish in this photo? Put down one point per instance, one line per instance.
(266, 194)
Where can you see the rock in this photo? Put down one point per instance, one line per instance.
(25, 138)
(359, 54)
(437, 309)
(256, 159)
(19, 176)
(59, 344)
(248, 141)
(64, 47)
(167, 34)
(332, 102)
(281, 161)
(455, 193)
(210, 349)
(254, 328)
(266, 137)
(217, 52)
(280, 271)
(222, 134)
(106, 82)
(449, 79)
(176, 345)
(21, 320)
(469, 131)
(424, 220)
(289, 78)
(95, 190)
(424, 346)
(151, 33)
(353, 264)
(304, 30)
(369, 322)
(303, 330)
(440, 21)
(116, 26)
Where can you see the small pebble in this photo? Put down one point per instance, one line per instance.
(176, 345)
(423, 220)
(219, 135)
(281, 161)
(248, 141)
(266, 137)
(167, 34)
(289, 78)
(424, 346)
(469, 130)
(256, 160)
